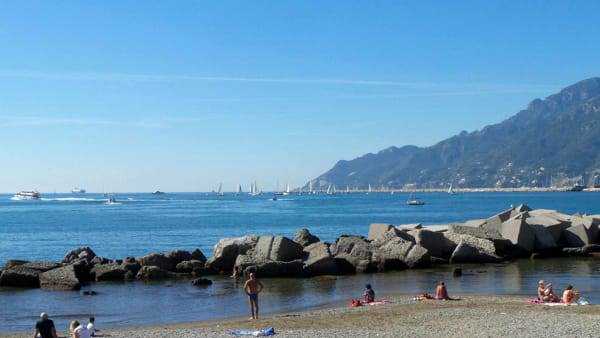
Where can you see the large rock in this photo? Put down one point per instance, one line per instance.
(418, 257)
(354, 254)
(498, 219)
(544, 240)
(293, 268)
(377, 229)
(109, 272)
(436, 243)
(63, 278)
(157, 259)
(391, 254)
(132, 266)
(519, 233)
(41, 266)
(473, 250)
(305, 238)
(554, 225)
(178, 256)
(189, 266)
(20, 277)
(198, 255)
(319, 260)
(11, 263)
(576, 236)
(277, 249)
(226, 251)
(153, 273)
(80, 253)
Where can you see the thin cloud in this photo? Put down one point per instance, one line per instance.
(128, 77)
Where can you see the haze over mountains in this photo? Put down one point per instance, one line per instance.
(555, 141)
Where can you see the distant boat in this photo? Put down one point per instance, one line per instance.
(158, 192)
(239, 189)
(310, 188)
(254, 190)
(220, 190)
(370, 190)
(450, 190)
(28, 195)
(287, 190)
(412, 200)
(347, 189)
(577, 187)
(111, 199)
(331, 189)
(78, 190)
(274, 198)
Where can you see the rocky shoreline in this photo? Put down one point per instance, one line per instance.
(511, 234)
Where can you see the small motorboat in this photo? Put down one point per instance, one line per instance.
(28, 195)
(158, 192)
(78, 190)
(412, 200)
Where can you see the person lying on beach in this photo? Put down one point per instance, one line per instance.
(369, 294)
(545, 292)
(441, 293)
(570, 295)
(79, 330)
(253, 287)
(45, 327)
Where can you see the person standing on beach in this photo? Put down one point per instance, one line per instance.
(44, 328)
(253, 287)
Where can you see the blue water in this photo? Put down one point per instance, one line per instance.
(142, 223)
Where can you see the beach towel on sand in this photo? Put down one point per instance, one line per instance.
(581, 301)
(258, 333)
(356, 302)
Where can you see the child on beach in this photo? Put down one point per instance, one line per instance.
(545, 292)
(369, 294)
(253, 287)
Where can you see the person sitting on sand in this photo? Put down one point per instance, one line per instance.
(369, 294)
(441, 293)
(570, 296)
(45, 327)
(253, 287)
(79, 330)
(545, 292)
(92, 326)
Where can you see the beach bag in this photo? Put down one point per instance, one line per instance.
(355, 303)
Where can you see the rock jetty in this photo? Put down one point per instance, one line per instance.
(514, 233)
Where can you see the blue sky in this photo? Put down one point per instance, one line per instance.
(179, 96)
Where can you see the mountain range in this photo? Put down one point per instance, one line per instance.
(554, 142)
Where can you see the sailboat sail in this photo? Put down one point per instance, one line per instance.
(450, 190)
(370, 190)
(239, 189)
(287, 189)
(220, 190)
(310, 187)
(329, 190)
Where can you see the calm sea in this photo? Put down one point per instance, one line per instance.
(141, 223)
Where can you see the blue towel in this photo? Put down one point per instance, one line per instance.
(260, 333)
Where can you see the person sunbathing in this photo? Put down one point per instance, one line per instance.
(369, 294)
(545, 292)
(570, 295)
(441, 293)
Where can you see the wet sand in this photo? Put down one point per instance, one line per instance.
(472, 316)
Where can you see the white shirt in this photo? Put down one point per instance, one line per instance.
(82, 331)
(92, 328)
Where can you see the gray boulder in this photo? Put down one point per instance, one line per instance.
(554, 225)
(354, 254)
(153, 273)
(226, 251)
(377, 229)
(436, 243)
(178, 256)
(41, 266)
(11, 263)
(109, 272)
(20, 277)
(277, 248)
(293, 268)
(63, 278)
(408, 227)
(498, 219)
(80, 253)
(467, 253)
(132, 266)
(157, 259)
(576, 236)
(519, 233)
(189, 266)
(544, 240)
(305, 238)
(198, 255)
(319, 260)
(418, 257)
(392, 254)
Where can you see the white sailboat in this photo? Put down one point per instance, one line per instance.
(310, 187)
(239, 189)
(450, 190)
(254, 189)
(220, 190)
(347, 189)
(330, 189)
(287, 190)
(370, 190)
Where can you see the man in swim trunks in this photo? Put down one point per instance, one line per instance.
(253, 287)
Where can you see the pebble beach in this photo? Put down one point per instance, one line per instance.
(471, 316)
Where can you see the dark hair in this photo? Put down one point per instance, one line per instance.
(368, 286)
(92, 319)
(441, 283)
(569, 287)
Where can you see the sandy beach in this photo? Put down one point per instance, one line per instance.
(471, 316)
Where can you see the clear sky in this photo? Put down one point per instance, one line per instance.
(182, 95)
